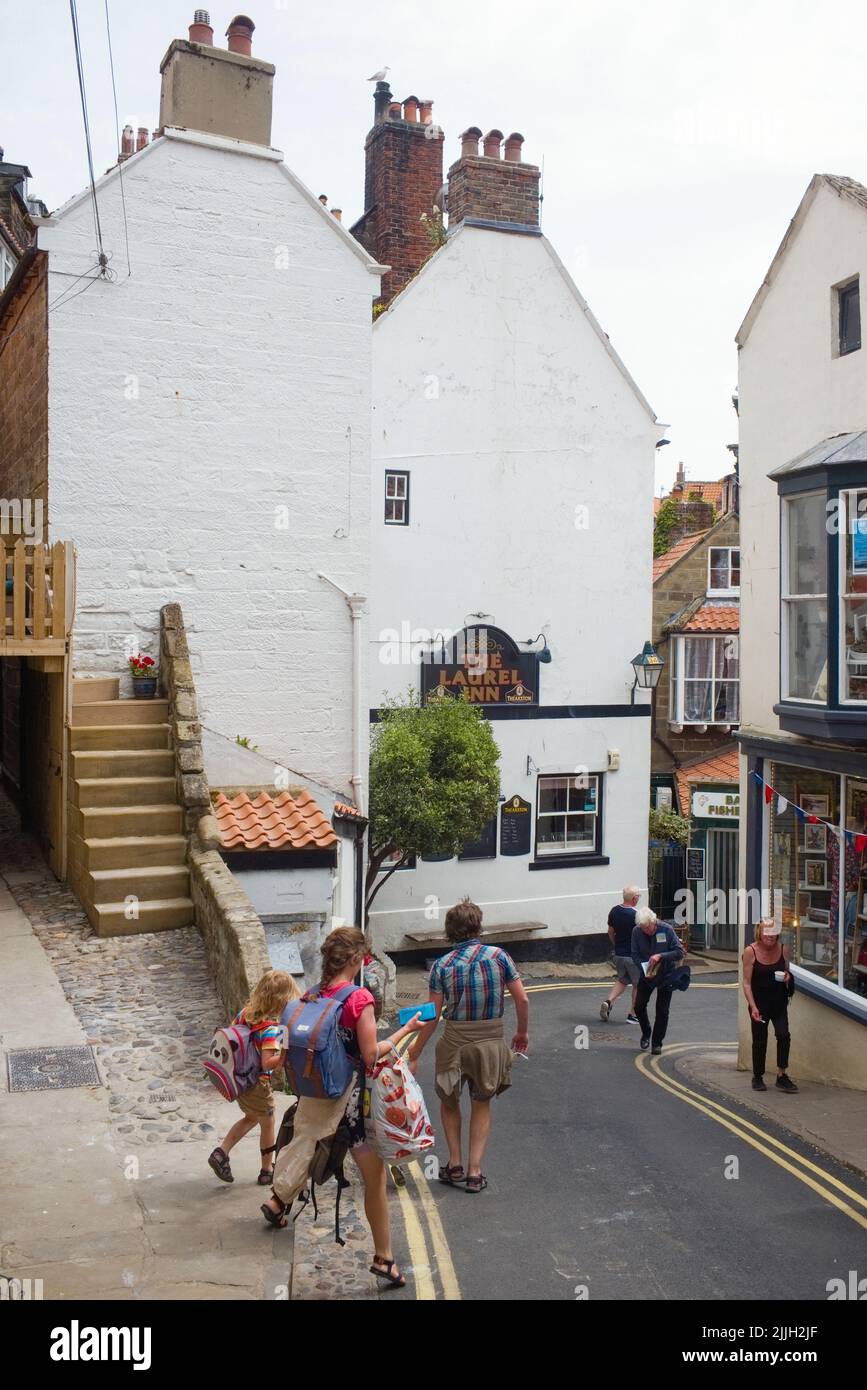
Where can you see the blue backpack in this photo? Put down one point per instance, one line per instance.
(317, 1063)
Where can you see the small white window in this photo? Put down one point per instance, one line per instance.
(7, 265)
(396, 499)
(705, 680)
(567, 819)
(724, 571)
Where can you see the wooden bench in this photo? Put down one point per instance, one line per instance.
(506, 931)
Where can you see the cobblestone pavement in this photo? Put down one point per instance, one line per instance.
(149, 1007)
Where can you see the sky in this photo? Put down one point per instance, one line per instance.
(676, 139)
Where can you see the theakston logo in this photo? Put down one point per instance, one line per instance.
(77, 1343)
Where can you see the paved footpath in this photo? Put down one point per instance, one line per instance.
(110, 1192)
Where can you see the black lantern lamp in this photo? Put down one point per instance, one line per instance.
(545, 654)
(648, 668)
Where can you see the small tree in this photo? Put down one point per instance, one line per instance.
(434, 782)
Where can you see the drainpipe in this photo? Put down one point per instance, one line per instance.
(355, 603)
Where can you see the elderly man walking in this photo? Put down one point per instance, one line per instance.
(621, 923)
(471, 981)
(657, 953)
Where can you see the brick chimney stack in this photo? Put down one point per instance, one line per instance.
(222, 91)
(403, 176)
(487, 188)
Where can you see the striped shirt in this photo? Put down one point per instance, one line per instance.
(472, 980)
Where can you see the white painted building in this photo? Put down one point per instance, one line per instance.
(803, 476)
(512, 489)
(209, 418)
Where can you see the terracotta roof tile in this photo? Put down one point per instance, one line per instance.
(713, 618)
(663, 563)
(341, 809)
(706, 492)
(281, 822)
(723, 766)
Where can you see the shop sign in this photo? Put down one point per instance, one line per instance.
(515, 826)
(484, 665)
(716, 805)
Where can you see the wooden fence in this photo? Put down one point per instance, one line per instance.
(37, 589)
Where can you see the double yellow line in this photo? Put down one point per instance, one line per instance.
(818, 1179)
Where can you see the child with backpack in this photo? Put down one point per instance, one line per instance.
(331, 1040)
(261, 1014)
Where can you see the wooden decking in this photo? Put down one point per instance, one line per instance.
(38, 604)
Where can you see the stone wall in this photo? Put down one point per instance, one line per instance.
(232, 932)
(684, 582)
(233, 935)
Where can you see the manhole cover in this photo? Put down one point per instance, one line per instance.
(51, 1068)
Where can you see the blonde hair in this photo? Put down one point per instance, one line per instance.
(760, 927)
(339, 949)
(270, 996)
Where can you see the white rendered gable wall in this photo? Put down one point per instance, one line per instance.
(228, 377)
(496, 392)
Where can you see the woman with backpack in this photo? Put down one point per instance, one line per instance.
(343, 953)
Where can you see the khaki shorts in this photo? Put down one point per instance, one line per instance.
(258, 1102)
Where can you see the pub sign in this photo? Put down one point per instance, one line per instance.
(483, 664)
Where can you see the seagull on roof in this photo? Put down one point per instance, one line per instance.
(379, 76)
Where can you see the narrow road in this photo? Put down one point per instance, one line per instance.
(606, 1185)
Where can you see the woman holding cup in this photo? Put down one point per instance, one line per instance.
(767, 987)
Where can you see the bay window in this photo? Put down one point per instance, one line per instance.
(705, 680)
(805, 598)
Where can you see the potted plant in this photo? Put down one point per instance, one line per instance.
(143, 670)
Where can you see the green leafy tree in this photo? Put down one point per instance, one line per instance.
(666, 824)
(434, 782)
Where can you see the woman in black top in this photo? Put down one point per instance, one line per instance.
(767, 981)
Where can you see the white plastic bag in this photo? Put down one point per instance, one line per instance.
(397, 1125)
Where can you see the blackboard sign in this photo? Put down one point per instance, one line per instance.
(695, 863)
(485, 847)
(516, 826)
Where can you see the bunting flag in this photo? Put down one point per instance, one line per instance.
(854, 837)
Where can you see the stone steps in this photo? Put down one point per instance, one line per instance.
(126, 825)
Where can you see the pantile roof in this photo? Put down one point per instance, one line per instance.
(722, 766)
(713, 618)
(281, 822)
(663, 563)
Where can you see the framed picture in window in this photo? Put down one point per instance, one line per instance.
(815, 873)
(814, 804)
(815, 838)
(803, 905)
(808, 948)
(824, 953)
(819, 917)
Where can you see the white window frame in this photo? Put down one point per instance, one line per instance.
(848, 500)
(567, 851)
(786, 599)
(7, 265)
(678, 678)
(734, 589)
(401, 478)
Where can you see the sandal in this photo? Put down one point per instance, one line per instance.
(219, 1161)
(275, 1219)
(266, 1175)
(477, 1182)
(395, 1280)
(449, 1174)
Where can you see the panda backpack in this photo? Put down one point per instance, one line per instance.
(233, 1064)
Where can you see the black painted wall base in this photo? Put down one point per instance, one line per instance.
(575, 950)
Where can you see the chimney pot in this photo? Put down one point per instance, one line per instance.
(470, 141)
(200, 29)
(395, 113)
(240, 35)
(337, 214)
(127, 142)
(410, 109)
(143, 136)
(323, 198)
(513, 148)
(493, 140)
(426, 112)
